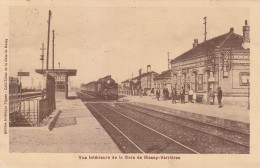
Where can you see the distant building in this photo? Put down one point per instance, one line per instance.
(163, 80)
(14, 88)
(223, 61)
(125, 87)
(144, 81)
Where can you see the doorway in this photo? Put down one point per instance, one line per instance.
(211, 85)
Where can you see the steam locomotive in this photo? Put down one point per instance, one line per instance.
(104, 88)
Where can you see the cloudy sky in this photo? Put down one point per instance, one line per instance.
(117, 41)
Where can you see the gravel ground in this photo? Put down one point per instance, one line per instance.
(124, 145)
(197, 140)
(149, 141)
(224, 133)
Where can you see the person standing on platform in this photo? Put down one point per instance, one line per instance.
(219, 97)
(211, 96)
(191, 95)
(167, 94)
(174, 95)
(141, 93)
(182, 95)
(158, 94)
(164, 93)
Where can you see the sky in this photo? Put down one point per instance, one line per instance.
(117, 41)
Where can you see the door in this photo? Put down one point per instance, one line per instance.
(211, 85)
(195, 81)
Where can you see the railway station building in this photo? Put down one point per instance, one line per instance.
(61, 78)
(223, 61)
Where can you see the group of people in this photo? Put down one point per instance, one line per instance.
(211, 96)
(190, 95)
(165, 93)
(174, 96)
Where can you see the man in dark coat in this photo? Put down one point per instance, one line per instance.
(174, 95)
(158, 94)
(164, 93)
(219, 97)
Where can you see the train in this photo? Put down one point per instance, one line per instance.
(104, 88)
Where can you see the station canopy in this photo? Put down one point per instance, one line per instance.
(68, 72)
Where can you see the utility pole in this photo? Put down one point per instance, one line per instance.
(168, 60)
(53, 50)
(48, 41)
(42, 56)
(205, 23)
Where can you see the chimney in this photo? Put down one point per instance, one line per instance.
(148, 68)
(140, 71)
(246, 39)
(196, 43)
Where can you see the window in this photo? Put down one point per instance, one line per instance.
(179, 82)
(200, 82)
(244, 78)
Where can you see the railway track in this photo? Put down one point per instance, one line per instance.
(177, 137)
(123, 130)
(228, 134)
(137, 129)
(86, 97)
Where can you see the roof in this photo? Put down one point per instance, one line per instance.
(69, 72)
(228, 40)
(125, 81)
(144, 74)
(164, 75)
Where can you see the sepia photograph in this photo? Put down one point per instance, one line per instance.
(119, 84)
(129, 80)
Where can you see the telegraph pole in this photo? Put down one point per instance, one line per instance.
(42, 56)
(53, 50)
(168, 60)
(205, 23)
(48, 41)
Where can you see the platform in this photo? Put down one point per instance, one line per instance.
(229, 111)
(76, 131)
